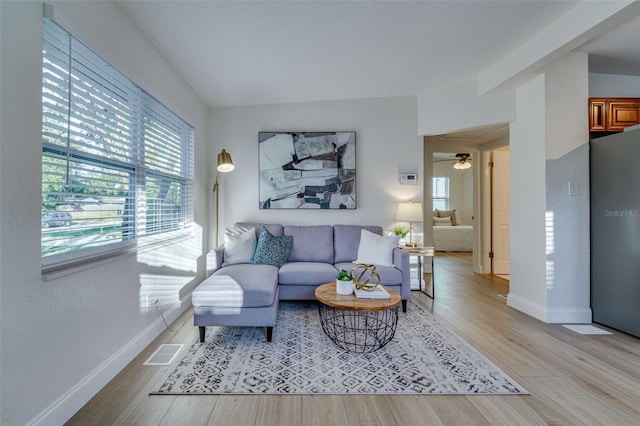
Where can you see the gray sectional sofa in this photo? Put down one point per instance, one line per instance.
(247, 294)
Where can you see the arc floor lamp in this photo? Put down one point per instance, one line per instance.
(225, 165)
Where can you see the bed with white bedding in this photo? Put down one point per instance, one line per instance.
(453, 238)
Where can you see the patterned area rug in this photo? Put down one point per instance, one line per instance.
(423, 358)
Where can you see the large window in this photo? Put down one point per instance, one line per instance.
(117, 165)
(441, 192)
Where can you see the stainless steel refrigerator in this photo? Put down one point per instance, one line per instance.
(615, 231)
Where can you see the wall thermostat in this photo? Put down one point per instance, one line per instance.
(408, 178)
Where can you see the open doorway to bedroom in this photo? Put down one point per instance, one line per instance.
(467, 190)
(452, 203)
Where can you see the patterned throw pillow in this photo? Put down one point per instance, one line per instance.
(272, 250)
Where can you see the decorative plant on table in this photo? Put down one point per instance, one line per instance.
(344, 282)
(343, 275)
(401, 230)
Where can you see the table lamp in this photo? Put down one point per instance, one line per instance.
(410, 212)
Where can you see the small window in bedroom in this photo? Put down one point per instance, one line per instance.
(441, 192)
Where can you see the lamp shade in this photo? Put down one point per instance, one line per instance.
(409, 212)
(225, 164)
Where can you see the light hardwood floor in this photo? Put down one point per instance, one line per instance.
(571, 378)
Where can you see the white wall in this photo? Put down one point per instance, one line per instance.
(386, 145)
(63, 339)
(549, 227)
(457, 108)
(460, 189)
(527, 289)
(567, 116)
(567, 216)
(613, 86)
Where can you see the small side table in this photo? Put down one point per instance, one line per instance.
(425, 251)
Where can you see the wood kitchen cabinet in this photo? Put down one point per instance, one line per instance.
(613, 114)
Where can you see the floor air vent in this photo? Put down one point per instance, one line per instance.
(164, 355)
(586, 329)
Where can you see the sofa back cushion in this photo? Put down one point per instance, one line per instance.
(346, 240)
(311, 243)
(275, 229)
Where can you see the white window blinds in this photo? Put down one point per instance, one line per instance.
(114, 159)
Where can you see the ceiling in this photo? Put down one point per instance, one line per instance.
(617, 51)
(476, 136)
(264, 52)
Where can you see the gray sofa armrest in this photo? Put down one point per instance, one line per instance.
(401, 262)
(214, 260)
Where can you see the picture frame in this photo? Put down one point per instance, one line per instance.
(307, 170)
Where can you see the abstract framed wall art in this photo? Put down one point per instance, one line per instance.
(307, 170)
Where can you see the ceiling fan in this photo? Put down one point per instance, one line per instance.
(463, 162)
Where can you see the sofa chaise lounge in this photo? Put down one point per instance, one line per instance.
(244, 285)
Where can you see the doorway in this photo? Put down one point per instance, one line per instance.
(479, 143)
(453, 191)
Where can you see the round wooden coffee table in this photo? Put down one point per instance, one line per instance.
(357, 325)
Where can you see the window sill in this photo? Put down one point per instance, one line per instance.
(58, 270)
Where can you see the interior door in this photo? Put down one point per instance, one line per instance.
(500, 213)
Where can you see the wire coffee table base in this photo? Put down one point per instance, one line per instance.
(358, 331)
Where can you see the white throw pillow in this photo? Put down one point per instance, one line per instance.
(448, 213)
(442, 221)
(239, 248)
(375, 249)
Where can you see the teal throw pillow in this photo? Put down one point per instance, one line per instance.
(272, 250)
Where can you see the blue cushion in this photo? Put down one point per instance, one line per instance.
(307, 273)
(272, 250)
(311, 243)
(237, 286)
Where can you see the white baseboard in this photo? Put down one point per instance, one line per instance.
(569, 316)
(550, 315)
(61, 410)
